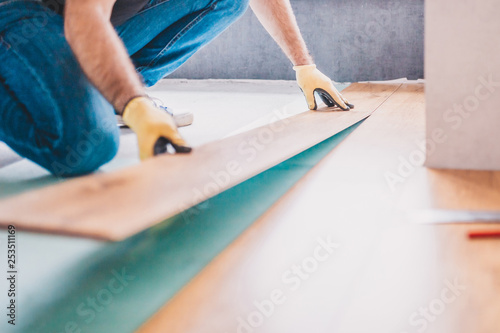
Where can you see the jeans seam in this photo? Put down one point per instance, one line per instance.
(146, 8)
(3, 42)
(181, 33)
(35, 78)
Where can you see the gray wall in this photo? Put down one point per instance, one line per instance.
(351, 40)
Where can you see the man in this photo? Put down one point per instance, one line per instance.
(67, 66)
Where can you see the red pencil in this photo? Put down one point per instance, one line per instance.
(484, 234)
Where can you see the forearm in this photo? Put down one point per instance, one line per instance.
(100, 52)
(278, 19)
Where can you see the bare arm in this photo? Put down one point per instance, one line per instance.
(278, 19)
(99, 50)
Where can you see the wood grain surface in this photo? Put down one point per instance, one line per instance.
(116, 205)
(385, 274)
(474, 190)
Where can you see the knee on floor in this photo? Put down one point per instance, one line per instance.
(85, 152)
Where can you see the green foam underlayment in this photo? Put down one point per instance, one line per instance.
(60, 277)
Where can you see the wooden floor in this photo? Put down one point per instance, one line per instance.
(381, 272)
(116, 205)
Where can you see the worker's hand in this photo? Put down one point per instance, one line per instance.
(311, 80)
(154, 127)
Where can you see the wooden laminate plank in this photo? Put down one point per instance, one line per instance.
(384, 272)
(117, 205)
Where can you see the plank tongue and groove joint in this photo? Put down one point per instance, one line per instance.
(116, 205)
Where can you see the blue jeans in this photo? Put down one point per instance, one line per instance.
(49, 111)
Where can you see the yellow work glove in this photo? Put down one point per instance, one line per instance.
(154, 127)
(311, 81)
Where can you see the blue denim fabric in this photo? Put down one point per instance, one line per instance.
(49, 111)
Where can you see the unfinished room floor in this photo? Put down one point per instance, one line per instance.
(69, 268)
(337, 251)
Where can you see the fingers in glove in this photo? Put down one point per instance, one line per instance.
(330, 101)
(161, 146)
(310, 99)
(351, 106)
(184, 149)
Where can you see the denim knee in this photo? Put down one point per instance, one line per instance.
(85, 151)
